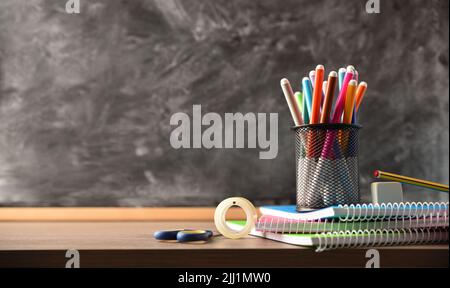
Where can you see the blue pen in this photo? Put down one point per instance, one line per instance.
(341, 76)
(307, 94)
(305, 111)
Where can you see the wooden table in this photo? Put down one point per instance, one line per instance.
(130, 244)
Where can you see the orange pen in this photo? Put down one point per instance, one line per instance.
(360, 92)
(349, 102)
(317, 95)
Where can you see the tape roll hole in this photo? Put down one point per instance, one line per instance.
(234, 213)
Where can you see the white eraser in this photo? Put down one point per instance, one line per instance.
(386, 192)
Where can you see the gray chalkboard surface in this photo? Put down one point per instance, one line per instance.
(86, 99)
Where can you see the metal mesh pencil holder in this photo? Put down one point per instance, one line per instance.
(326, 165)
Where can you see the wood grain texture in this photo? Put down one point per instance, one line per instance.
(132, 245)
(85, 100)
(115, 214)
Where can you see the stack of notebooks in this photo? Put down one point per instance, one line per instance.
(354, 225)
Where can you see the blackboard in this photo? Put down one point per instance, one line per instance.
(86, 99)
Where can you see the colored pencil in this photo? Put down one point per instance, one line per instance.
(410, 180)
(317, 95)
(329, 94)
(292, 102)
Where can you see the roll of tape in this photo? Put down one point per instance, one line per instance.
(221, 212)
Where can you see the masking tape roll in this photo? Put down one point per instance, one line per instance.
(221, 212)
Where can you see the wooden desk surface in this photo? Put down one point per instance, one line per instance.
(131, 244)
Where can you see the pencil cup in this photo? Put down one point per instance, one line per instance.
(327, 165)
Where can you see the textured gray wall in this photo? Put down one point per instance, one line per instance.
(85, 100)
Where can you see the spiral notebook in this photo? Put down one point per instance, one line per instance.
(354, 225)
(269, 223)
(349, 239)
(360, 211)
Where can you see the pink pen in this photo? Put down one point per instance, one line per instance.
(339, 109)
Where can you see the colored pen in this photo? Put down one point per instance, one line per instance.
(317, 95)
(349, 102)
(355, 73)
(307, 94)
(305, 110)
(312, 76)
(341, 77)
(356, 76)
(292, 102)
(360, 92)
(339, 107)
(299, 96)
(329, 94)
(324, 88)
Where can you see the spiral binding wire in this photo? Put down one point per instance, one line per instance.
(378, 237)
(367, 212)
(288, 226)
